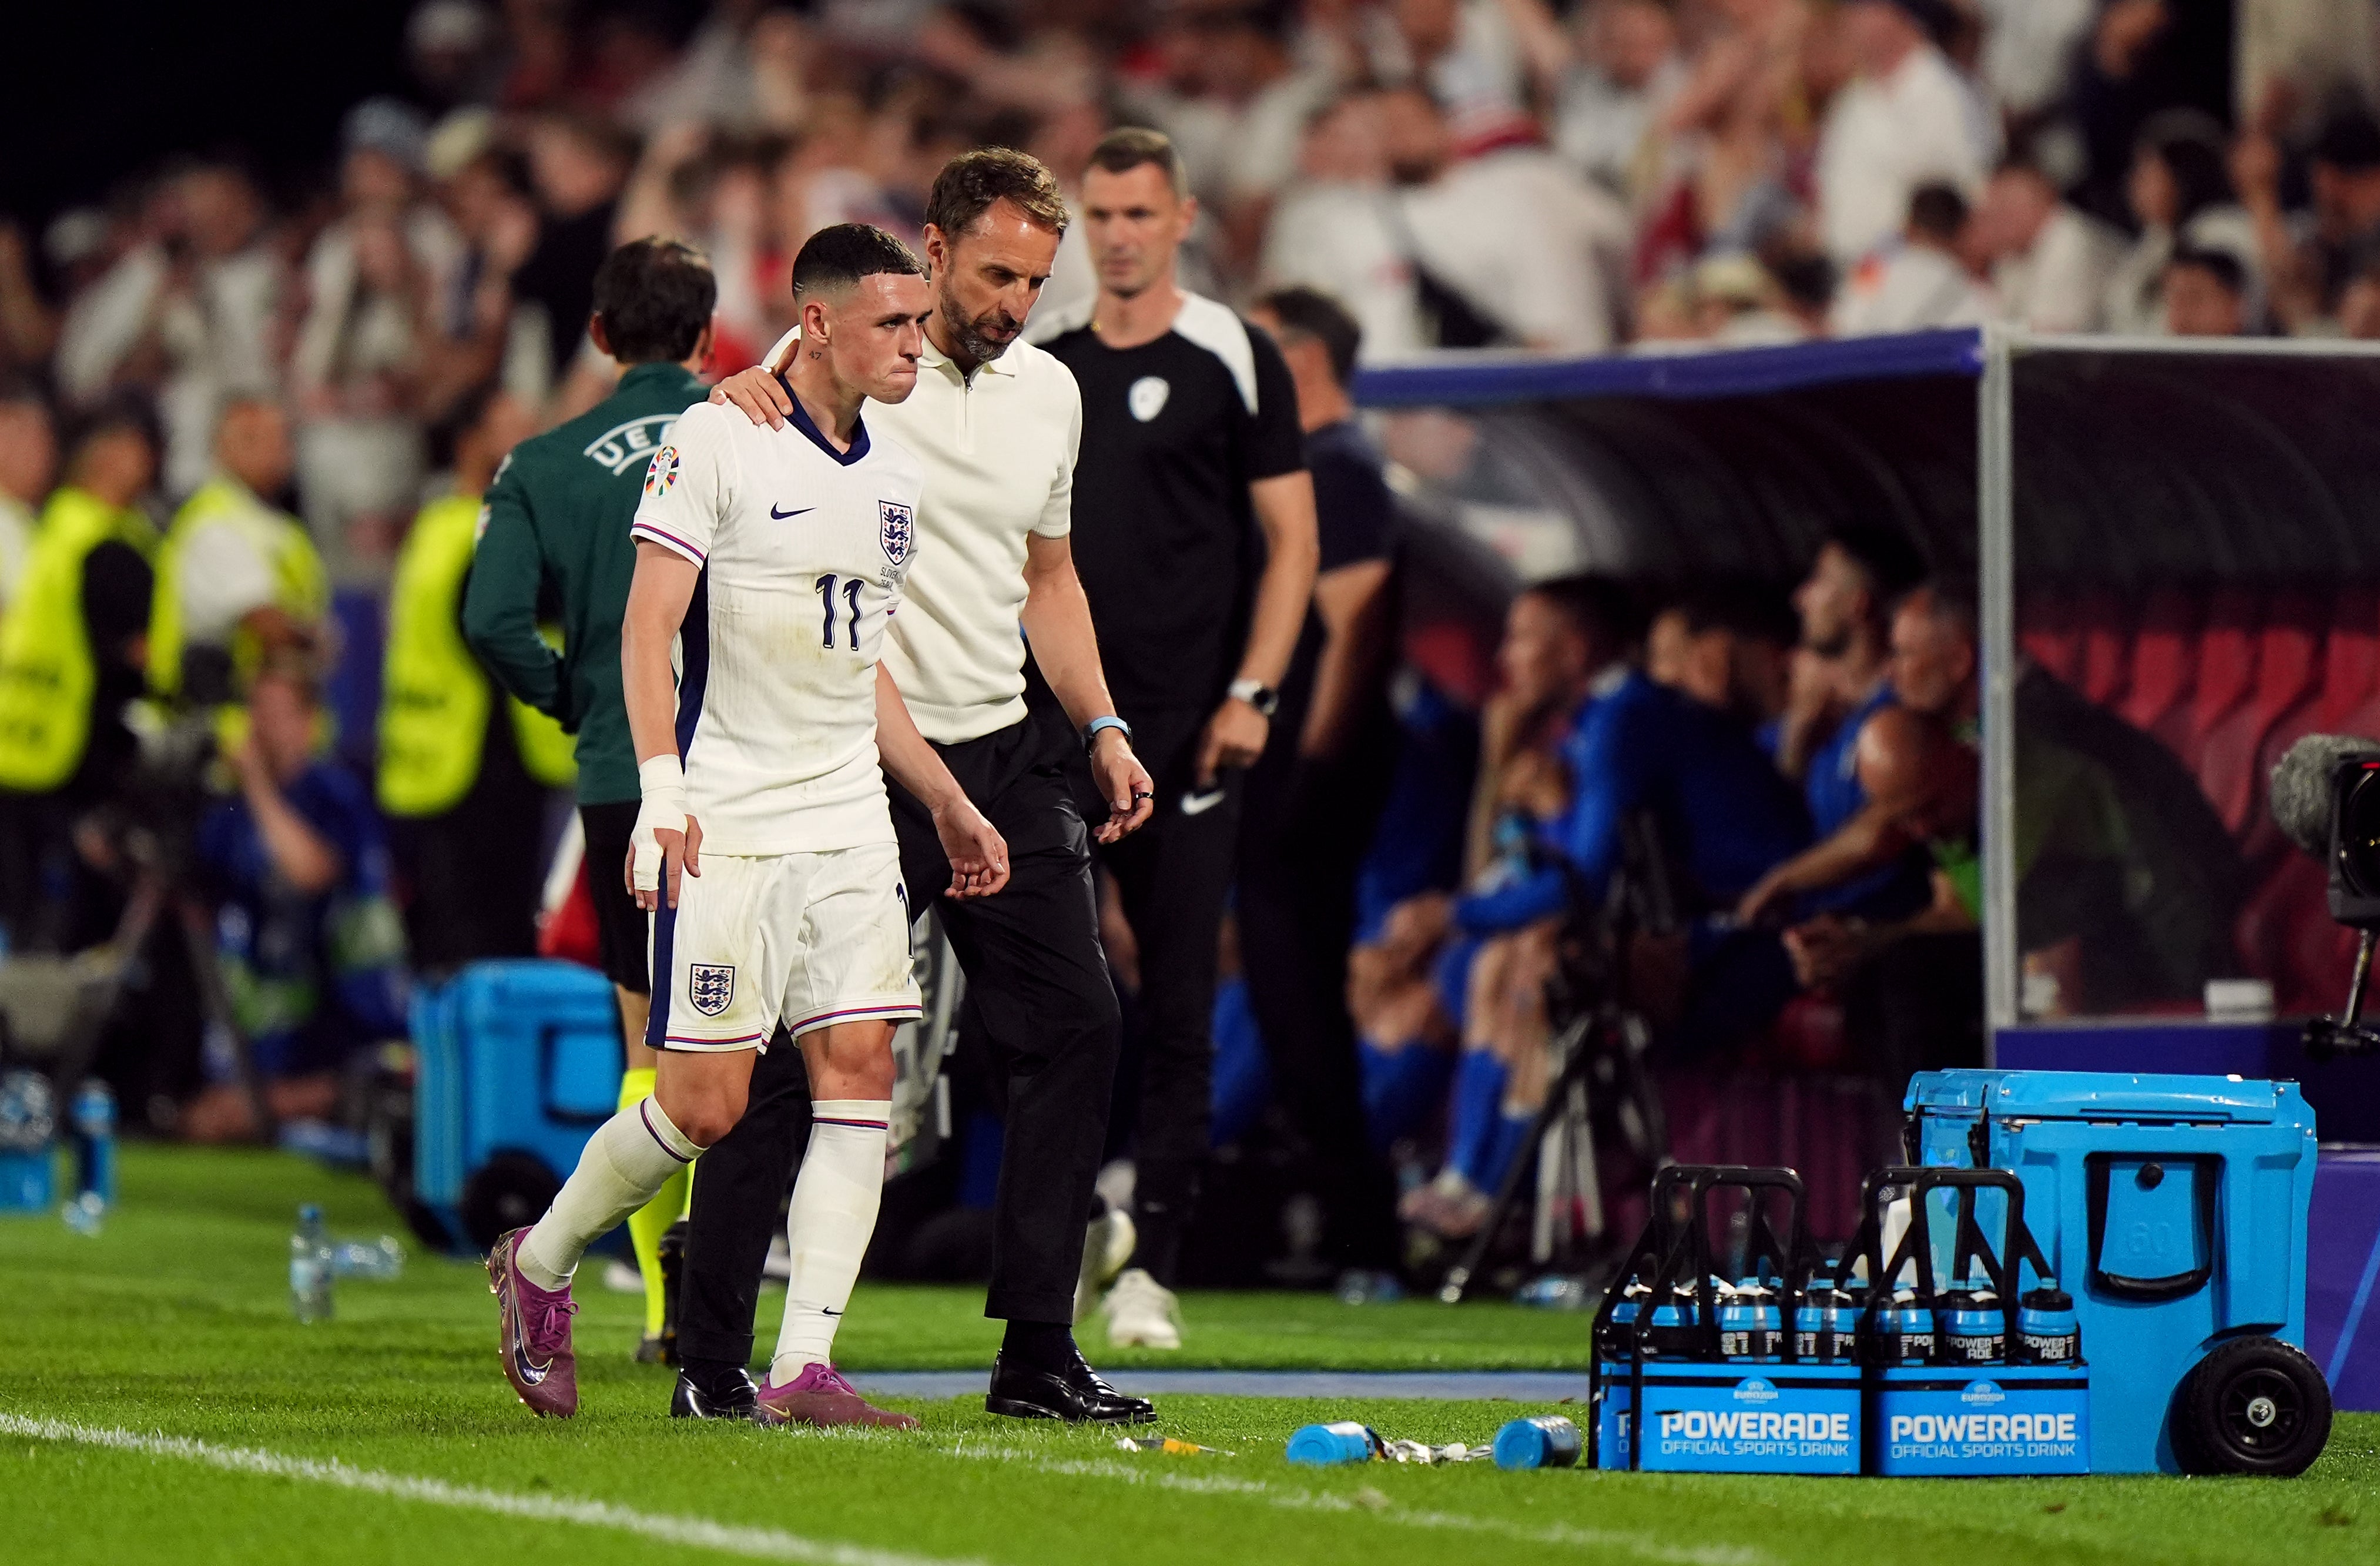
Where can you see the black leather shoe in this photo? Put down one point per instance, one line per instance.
(1075, 1395)
(735, 1399)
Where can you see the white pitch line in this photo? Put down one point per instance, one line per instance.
(759, 1543)
(1298, 1498)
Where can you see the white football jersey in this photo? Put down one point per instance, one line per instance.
(804, 550)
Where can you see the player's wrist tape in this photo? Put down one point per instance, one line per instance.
(662, 809)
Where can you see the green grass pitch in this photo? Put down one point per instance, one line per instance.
(158, 1404)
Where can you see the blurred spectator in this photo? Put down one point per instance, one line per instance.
(2205, 295)
(578, 166)
(28, 327)
(2359, 307)
(70, 664)
(451, 46)
(1906, 120)
(2301, 60)
(2309, 265)
(1723, 159)
(2180, 193)
(1336, 229)
(2028, 52)
(28, 461)
(188, 312)
(1607, 78)
(2143, 57)
(238, 577)
(2049, 263)
(310, 944)
(1920, 282)
(1509, 245)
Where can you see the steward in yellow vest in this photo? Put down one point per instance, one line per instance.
(236, 579)
(70, 644)
(465, 782)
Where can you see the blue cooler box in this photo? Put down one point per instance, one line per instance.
(2172, 1209)
(1731, 1418)
(516, 1062)
(1931, 1420)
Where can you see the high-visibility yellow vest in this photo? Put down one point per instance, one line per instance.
(301, 588)
(434, 695)
(48, 673)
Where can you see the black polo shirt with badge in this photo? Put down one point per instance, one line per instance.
(1164, 536)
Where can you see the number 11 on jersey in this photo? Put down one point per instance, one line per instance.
(826, 585)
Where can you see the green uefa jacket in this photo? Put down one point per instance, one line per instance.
(556, 525)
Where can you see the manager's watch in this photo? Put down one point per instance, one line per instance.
(1091, 729)
(1257, 694)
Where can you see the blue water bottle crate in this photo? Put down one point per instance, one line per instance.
(1696, 1373)
(1964, 1379)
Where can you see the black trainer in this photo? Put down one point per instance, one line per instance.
(729, 1397)
(1075, 1394)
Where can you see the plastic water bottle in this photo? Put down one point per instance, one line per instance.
(94, 1142)
(1974, 1329)
(382, 1258)
(1328, 1446)
(1826, 1323)
(28, 1122)
(1554, 1291)
(2048, 1330)
(1750, 1326)
(310, 1266)
(1904, 1330)
(1547, 1441)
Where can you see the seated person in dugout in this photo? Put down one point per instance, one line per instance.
(1686, 778)
(2113, 865)
(310, 945)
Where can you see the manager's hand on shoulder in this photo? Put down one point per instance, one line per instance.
(759, 395)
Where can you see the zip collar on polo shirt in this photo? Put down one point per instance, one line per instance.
(935, 358)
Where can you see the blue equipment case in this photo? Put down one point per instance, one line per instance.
(516, 1062)
(2173, 1208)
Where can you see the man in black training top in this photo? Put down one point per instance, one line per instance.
(1194, 537)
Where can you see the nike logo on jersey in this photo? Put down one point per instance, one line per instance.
(781, 516)
(1199, 804)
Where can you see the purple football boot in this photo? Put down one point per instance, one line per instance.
(821, 1396)
(534, 1333)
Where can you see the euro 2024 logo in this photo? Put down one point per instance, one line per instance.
(660, 473)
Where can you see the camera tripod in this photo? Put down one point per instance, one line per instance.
(2348, 1033)
(1602, 1056)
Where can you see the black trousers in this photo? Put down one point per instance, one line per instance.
(1307, 825)
(472, 874)
(1038, 983)
(1174, 876)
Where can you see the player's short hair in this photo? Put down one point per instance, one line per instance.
(1938, 211)
(1310, 313)
(970, 183)
(126, 412)
(1884, 555)
(841, 254)
(1602, 609)
(655, 296)
(1129, 146)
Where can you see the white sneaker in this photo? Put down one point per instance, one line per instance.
(1143, 1314)
(1105, 1250)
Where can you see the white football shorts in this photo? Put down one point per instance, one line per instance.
(808, 939)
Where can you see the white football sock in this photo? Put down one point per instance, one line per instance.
(630, 1157)
(833, 1216)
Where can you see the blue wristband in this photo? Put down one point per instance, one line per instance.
(1091, 729)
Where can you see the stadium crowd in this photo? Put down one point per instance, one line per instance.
(1632, 174)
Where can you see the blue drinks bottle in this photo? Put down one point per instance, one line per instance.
(1326, 1445)
(1547, 1441)
(1751, 1326)
(1974, 1328)
(1826, 1323)
(2048, 1330)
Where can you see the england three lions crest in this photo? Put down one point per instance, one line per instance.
(710, 985)
(898, 529)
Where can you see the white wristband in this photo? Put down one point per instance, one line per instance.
(662, 778)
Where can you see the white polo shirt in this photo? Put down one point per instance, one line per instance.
(998, 452)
